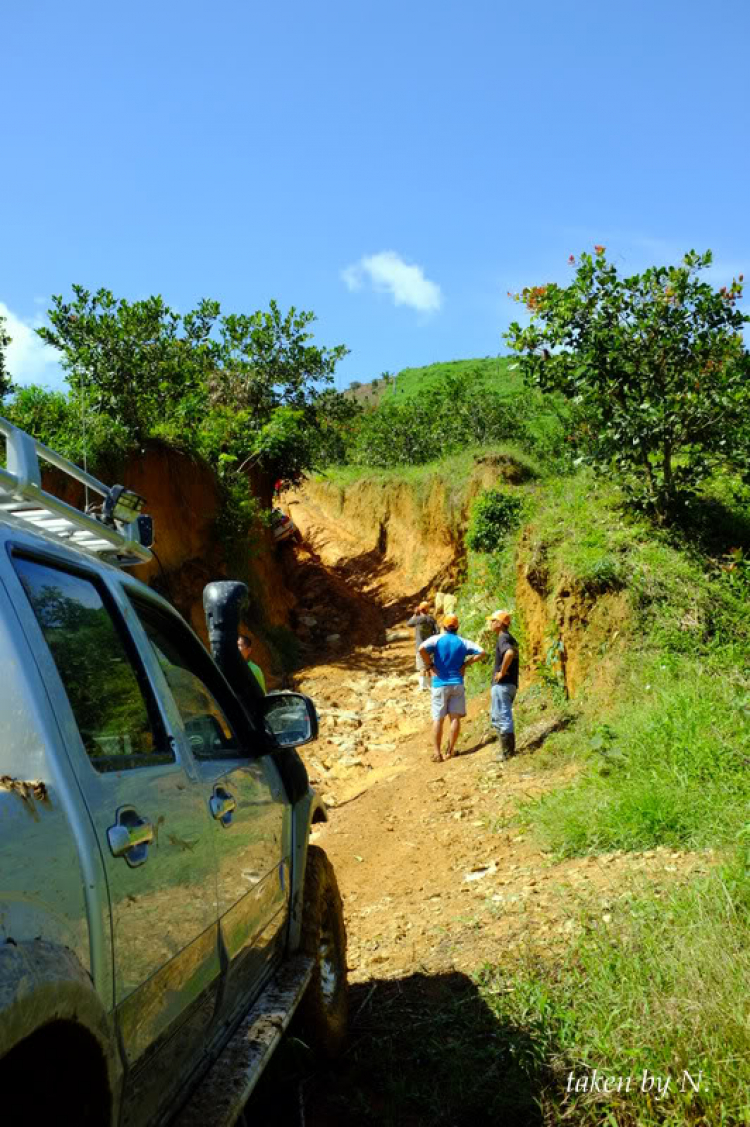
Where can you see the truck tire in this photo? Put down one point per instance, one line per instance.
(324, 1009)
(56, 1075)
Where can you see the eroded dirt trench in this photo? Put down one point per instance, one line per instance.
(434, 875)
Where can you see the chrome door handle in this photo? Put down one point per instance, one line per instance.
(130, 836)
(222, 805)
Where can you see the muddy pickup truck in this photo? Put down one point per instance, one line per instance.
(161, 914)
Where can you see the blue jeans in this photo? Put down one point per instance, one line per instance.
(501, 708)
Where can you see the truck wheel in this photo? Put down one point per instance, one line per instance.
(323, 1010)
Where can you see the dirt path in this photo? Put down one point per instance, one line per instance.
(432, 871)
(436, 878)
(432, 874)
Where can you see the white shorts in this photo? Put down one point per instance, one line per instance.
(448, 700)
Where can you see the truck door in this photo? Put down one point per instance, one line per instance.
(250, 813)
(152, 823)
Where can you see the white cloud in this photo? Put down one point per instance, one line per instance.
(28, 359)
(388, 273)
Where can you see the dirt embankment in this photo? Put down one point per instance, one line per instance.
(580, 631)
(396, 541)
(184, 498)
(416, 528)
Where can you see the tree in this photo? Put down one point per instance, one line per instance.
(266, 362)
(656, 369)
(137, 362)
(239, 389)
(5, 384)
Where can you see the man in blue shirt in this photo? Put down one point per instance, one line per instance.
(445, 657)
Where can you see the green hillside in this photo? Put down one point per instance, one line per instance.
(499, 372)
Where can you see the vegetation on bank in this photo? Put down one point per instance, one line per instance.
(250, 395)
(433, 413)
(243, 392)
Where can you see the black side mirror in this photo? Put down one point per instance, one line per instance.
(291, 718)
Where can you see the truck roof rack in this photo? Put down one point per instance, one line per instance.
(21, 495)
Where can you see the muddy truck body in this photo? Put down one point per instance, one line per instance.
(161, 914)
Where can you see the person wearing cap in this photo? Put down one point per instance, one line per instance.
(446, 656)
(504, 682)
(424, 626)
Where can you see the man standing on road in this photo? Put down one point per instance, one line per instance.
(446, 656)
(424, 626)
(504, 683)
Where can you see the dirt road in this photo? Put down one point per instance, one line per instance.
(433, 873)
(436, 878)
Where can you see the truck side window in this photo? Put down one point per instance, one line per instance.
(104, 686)
(191, 676)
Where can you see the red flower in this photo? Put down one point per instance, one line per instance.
(600, 249)
(572, 259)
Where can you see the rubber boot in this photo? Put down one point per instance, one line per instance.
(505, 751)
(511, 738)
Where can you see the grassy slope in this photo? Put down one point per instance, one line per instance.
(499, 371)
(664, 746)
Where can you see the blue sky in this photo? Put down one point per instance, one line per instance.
(395, 167)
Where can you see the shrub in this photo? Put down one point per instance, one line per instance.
(443, 419)
(494, 514)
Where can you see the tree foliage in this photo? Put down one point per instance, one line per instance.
(494, 514)
(239, 389)
(140, 363)
(5, 384)
(656, 369)
(444, 418)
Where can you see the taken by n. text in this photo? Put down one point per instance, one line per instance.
(659, 1086)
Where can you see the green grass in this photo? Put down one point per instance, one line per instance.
(661, 987)
(456, 468)
(499, 372)
(664, 749)
(669, 768)
(667, 747)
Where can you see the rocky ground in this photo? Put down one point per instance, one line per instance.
(436, 875)
(433, 872)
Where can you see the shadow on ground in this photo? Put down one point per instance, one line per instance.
(423, 1051)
